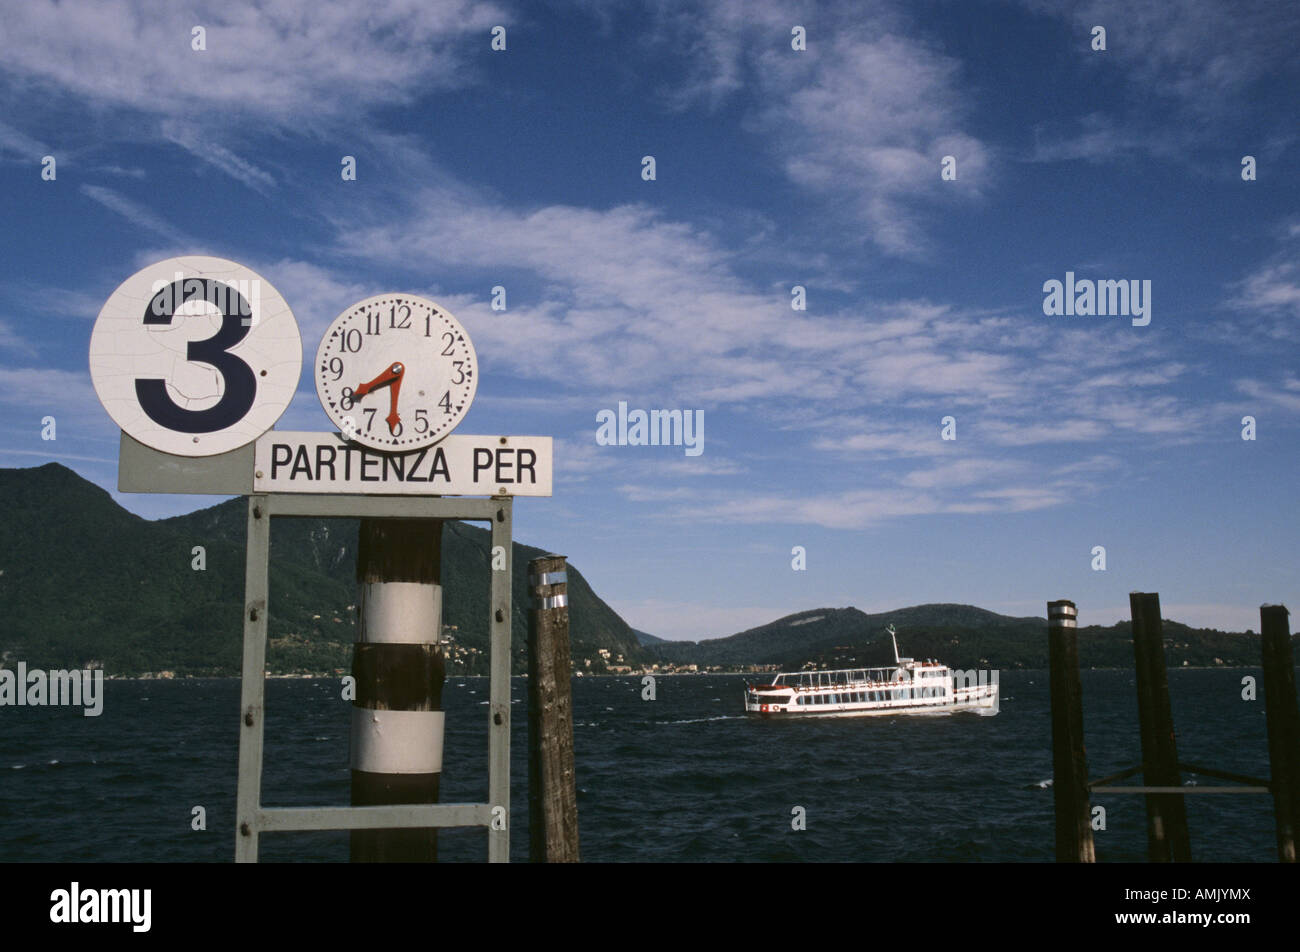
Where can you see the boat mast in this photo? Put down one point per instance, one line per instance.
(890, 629)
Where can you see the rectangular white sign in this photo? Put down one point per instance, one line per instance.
(292, 462)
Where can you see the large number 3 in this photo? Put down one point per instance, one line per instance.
(240, 381)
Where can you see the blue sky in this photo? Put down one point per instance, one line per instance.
(774, 168)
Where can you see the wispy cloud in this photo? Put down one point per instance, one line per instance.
(191, 138)
(861, 118)
(281, 60)
(15, 144)
(48, 390)
(1287, 397)
(136, 213)
(1093, 137)
(1198, 59)
(15, 342)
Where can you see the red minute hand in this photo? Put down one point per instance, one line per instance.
(392, 377)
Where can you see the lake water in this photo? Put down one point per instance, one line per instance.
(685, 777)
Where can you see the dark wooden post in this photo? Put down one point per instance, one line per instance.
(397, 719)
(1069, 757)
(1167, 835)
(1283, 725)
(552, 782)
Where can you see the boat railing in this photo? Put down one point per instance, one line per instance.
(849, 677)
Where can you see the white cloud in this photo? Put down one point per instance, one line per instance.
(14, 342)
(1257, 390)
(1203, 53)
(136, 213)
(290, 62)
(1024, 433)
(190, 137)
(18, 145)
(42, 454)
(1269, 299)
(1091, 137)
(48, 390)
(861, 118)
(962, 472)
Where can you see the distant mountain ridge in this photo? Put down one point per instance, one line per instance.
(961, 636)
(645, 638)
(82, 580)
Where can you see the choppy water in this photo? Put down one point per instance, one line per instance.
(685, 777)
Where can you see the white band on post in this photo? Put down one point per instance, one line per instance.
(397, 742)
(401, 613)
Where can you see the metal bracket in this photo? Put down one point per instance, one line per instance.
(252, 818)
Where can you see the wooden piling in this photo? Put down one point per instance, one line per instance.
(1069, 757)
(1283, 718)
(397, 661)
(1168, 839)
(552, 782)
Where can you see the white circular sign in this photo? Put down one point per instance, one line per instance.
(396, 372)
(195, 356)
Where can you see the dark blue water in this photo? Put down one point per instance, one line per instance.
(685, 777)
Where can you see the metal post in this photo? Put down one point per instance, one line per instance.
(397, 718)
(499, 686)
(1167, 834)
(1069, 757)
(552, 782)
(1283, 719)
(252, 682)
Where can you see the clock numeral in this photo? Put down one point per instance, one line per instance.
(426, 325)
(450, 338)
(445, 403)
(421, 417)
(239, 379)
(370, 416)
(396, 430)
(406, 320)
(350, 344)
(345, 398)
(460, 374)
(372, 324)
(336, 367)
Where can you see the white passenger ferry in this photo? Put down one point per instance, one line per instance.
(908, 687)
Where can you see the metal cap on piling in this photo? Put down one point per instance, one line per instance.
(1062, 614)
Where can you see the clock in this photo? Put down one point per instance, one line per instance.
(396, 372)
(195, 356)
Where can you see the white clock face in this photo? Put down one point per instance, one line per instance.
(195, 356)
(396, 372)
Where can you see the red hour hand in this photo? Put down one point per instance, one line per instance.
(391, 378)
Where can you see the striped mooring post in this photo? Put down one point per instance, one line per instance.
(397, 661)
(1069, 757)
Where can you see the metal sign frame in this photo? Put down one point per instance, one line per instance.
(252, 818)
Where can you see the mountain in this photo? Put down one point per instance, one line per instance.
(82, 580)
(771, 643)
(961, 636)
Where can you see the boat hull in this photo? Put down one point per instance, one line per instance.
(982, 700)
